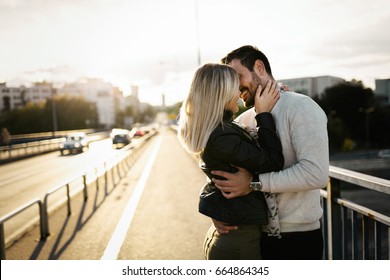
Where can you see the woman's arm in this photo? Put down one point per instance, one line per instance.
(229, 147)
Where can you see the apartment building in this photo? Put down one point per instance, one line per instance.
(382, 90)
(312, 86)
(106, 97)
(12, 98)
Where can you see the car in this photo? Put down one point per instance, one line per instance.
(74, 142)
(120, 137)
(138, 132)
(384, 153)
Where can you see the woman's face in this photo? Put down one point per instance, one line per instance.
(233, 104)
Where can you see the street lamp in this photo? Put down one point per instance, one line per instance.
(197, 30)
(367, 111)
(54, 111)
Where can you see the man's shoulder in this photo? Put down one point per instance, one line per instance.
(295, 98)
(292, 96)
(294, 103)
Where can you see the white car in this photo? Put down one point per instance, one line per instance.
(384, 153)
(74, 142)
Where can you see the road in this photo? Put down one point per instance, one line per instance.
(24, 180)
(162, 223)
(150, 215)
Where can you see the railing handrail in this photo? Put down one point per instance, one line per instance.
(18, 210)
(360, 179)
(365, 211)
(21, 150)
(50, 133)
(15, 212)
(335, 219)
(43, 212)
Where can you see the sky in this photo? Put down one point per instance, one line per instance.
(155, 44)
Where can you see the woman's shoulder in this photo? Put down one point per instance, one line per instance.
(229, 132)
(222, 129)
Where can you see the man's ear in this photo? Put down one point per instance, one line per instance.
(259, 67)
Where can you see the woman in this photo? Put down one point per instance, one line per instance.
(206, 129)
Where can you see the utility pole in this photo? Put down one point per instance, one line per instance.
(197, 30)
(54, 111)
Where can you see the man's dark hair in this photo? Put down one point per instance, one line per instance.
(248, 55)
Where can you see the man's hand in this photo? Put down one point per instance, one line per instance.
(236, 184)
(223, 228)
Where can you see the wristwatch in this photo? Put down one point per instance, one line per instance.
(256, 186)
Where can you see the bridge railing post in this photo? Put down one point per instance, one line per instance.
(334, 220)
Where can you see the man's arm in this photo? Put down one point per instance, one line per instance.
(310, 171)
(236, 184)
(222, 227)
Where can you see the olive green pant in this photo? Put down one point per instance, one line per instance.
(241, 244)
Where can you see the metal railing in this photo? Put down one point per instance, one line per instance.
(346, 235)
(118, 166)
(14, 213)
(22, 150)
(353, 231)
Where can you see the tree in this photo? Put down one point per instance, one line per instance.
(350, 102)
(27, 119)
(72, 113)
(380, 127)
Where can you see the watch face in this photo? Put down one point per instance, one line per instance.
(256, 186)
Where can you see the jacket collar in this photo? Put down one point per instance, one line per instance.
(227, 116)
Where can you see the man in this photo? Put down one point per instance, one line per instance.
(302, 127)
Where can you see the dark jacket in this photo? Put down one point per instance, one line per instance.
(230, 144)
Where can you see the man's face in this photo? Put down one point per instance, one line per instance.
(249, 81)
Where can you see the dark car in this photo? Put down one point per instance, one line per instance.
(74, 142)
(120, 137)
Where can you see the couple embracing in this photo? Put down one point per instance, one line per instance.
(265, 169)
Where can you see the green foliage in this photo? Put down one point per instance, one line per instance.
(28, 119)
(354, 117)
(71, 112)
(337, 133)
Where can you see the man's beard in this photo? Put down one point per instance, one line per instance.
(250, 101)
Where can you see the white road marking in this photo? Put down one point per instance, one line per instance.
(118, 237)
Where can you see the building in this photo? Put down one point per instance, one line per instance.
(131, 101)
(106, 97)
(12, 98)
(312, 86)
(382, 90)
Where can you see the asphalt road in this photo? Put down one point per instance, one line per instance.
(150, 215)
(163, 223)
(24, 180)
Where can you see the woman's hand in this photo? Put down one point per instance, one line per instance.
(267, 98)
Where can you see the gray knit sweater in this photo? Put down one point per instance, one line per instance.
(302, 127)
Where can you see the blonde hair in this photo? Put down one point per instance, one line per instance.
(213, 87)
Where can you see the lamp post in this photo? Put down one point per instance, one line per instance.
(54, 111)
(197, 31)
(367, 111)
